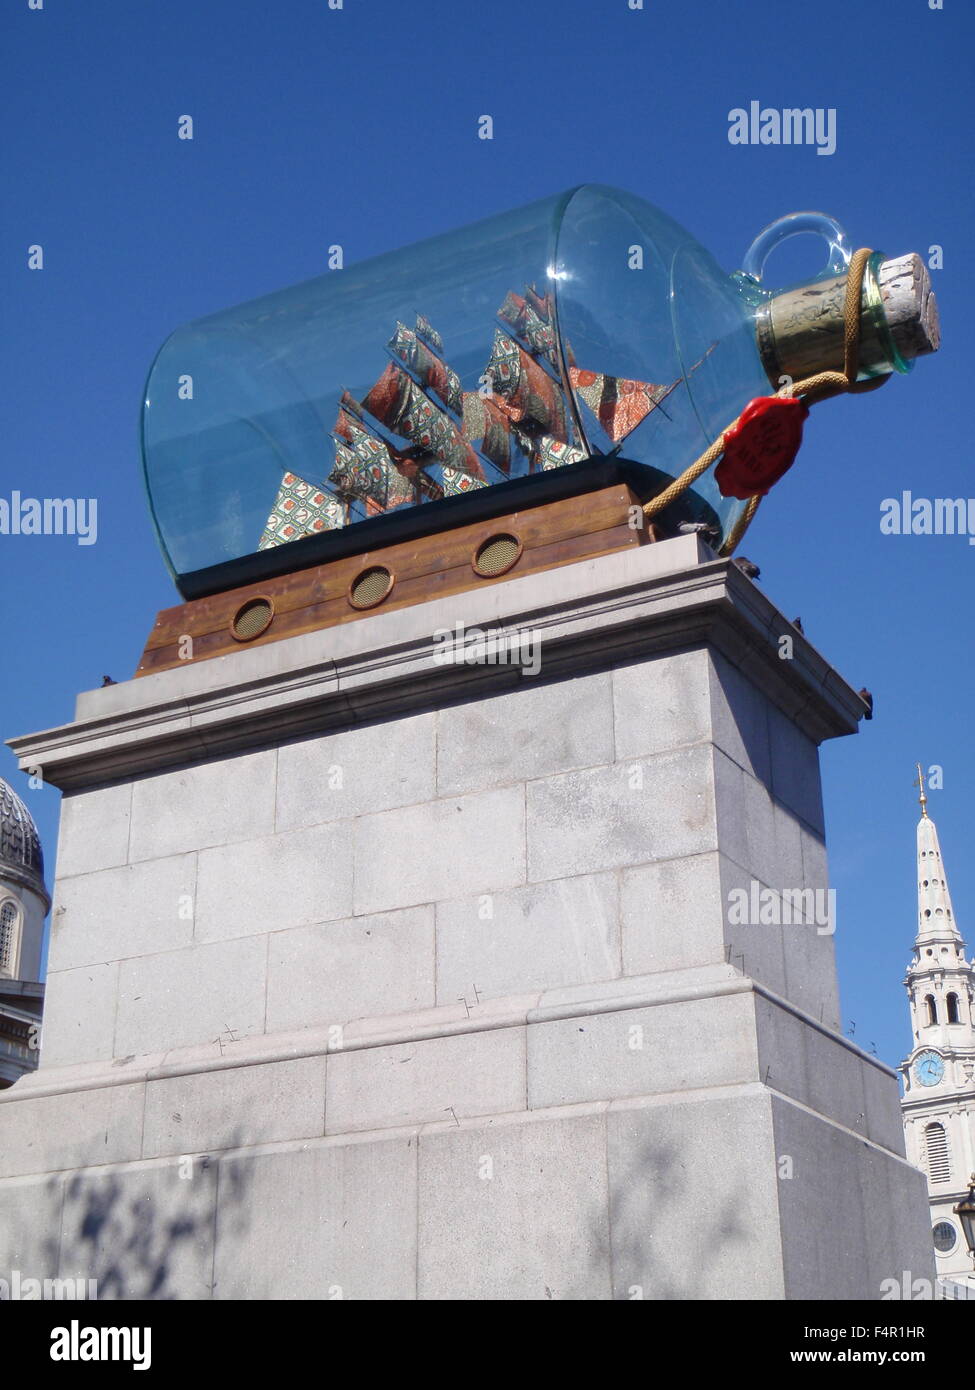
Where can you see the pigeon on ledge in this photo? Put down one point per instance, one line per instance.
(699, 528)
(747, 567)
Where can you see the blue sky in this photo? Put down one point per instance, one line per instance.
(358, 126)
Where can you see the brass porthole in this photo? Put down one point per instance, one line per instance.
(496, 555)
(370, 587)
(251, 619)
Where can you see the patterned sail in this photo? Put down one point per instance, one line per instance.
(488, 424)
(547, 452)
(618, 403)
(518, 421)
(427, 367)
(365, 467)
(301, 510)
(429, 334)
(398, 403)
(524, 389)
(530, 318)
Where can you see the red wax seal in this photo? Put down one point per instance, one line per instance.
(761, 446)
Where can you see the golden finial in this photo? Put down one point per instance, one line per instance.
(920, 783)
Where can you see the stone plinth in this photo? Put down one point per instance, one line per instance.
(373, 976)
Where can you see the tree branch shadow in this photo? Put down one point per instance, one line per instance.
(146, 1231)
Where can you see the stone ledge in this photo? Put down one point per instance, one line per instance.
(496, 1120)
(587, 615)
(563, 1004)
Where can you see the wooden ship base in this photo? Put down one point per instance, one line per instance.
(354, 587)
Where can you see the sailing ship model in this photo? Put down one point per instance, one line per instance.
(306, 434)
(417, 436)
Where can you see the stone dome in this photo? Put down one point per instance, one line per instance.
(20, 844)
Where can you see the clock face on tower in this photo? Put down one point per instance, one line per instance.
(929, 1068)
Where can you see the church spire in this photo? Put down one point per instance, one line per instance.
(939, 1071)
(935, 918)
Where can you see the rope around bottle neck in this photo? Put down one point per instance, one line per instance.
(811, 389)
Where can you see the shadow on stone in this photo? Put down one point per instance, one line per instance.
(656, 1208)
(146, 1232)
